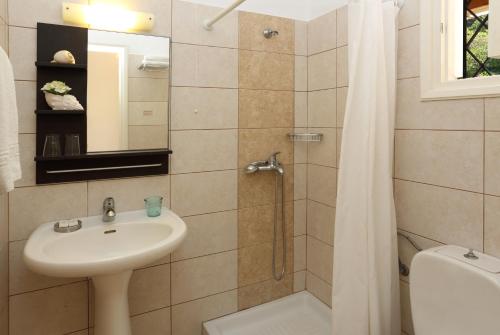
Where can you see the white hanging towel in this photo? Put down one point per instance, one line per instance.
(10, 166)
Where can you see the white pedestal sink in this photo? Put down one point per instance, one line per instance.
(106, 252)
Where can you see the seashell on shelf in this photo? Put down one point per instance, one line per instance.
(62, 102)
(64, 57)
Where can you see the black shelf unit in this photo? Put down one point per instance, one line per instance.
(86, 166)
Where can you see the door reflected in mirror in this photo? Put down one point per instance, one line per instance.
(128, 91)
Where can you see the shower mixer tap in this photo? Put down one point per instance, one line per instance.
(271, 164)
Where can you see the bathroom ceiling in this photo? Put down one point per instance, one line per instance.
(305, 10)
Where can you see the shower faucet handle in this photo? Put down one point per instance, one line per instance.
(274, 157)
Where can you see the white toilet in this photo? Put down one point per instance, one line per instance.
(455, 294)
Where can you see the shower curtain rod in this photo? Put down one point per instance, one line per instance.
(208, 24)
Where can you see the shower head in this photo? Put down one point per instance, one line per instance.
(269, 33)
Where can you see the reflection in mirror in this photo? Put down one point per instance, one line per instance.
(128, 91)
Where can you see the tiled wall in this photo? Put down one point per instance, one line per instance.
(200, 280)
(266, 112)
(327, 90)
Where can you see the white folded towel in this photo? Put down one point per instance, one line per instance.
(10, 166)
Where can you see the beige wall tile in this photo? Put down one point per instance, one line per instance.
(319, 288)
(339, 145)
(266, 109)
(264, 70)
(259, 144)
(27, 152)
(492, 113)
(204, 150)
(300, 181)
(251, 37)
(324, 152)
(320, 221)
(26, 104)
(301, 38)
(162, 9)
(152, 323)
(406, 318)
(412, 113)
(256, 224)
(301, 109)
(204, 276)
(444, 215)
(322, 108)
(492, 225)
(300, 148)
(222, 228)
(255, 264)
(4, 10)
(322, 33)
(342, 67)
(58, 310)
(4, 35)
(46, 203)
(322, 184)
(299, 253)
(445, 158)
(320, 259)
(409, 14)
(204, 108)
(148, 113)
(492, 163)
(129, 193)
(341, 105)
(21, 279)
(408, 53)
(187, 28)
(259, 189)
(149, 289)
(299, 217)
(201, 193)
(322, 73)
(187, 318)
(300, 73)
(260, 293)
(22, 52)
(26, 13)
(342, 21)
(202, 66)
(299, 281)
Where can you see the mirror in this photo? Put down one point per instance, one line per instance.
(128, 89)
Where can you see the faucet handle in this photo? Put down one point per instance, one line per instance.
(108, 202)
(274, 156)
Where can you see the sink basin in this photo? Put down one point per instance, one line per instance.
(106, 252)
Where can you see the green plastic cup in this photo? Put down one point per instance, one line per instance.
(153, 206)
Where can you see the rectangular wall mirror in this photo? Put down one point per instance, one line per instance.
(127, 91)
(105, 112)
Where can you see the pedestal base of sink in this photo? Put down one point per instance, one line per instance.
(112, 315)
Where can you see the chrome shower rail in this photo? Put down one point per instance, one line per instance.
(208, 24)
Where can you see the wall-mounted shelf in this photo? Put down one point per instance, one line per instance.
(61, 66)
(59, 112)
(305, 137)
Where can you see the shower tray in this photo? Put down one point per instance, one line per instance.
(298, 314)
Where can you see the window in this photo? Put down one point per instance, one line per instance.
(459, 56)
(476, 60)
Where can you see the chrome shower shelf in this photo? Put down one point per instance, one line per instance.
(305, 137)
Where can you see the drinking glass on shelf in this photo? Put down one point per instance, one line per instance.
(52, 146)
(72, 145)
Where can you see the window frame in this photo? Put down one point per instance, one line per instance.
(434, 64)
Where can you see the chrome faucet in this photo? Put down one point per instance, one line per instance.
(108, 210)
(272, 164)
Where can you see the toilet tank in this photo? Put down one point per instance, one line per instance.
(454, 295)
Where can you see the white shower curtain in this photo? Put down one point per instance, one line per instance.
(365, 276)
